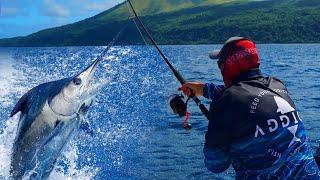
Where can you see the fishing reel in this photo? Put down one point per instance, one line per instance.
(179, 106)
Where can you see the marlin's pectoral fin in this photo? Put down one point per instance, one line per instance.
(53, 133)
(85, 107)
(85, 126)
(20, 106)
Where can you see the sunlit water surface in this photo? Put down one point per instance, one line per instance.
(136, 136)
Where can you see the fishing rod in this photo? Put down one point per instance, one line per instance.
(176, 73)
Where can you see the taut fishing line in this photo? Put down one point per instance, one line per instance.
(177, 99)
(133, 19)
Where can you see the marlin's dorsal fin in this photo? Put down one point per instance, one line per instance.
(26, 99)
(21, 105)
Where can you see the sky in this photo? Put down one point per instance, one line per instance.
(23, 17)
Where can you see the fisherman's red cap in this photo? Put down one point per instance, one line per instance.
(237, 55)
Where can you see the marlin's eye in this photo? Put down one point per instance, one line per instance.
(77, 81)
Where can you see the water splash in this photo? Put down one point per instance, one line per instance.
(6, 144)
(67, 166)
(17, 76)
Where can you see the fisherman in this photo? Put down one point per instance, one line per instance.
(253, 123)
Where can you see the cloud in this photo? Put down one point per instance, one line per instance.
(22, 17)
(62, 8)
(56, 8)
(10, 8)
(85, 7)
(101, 6)
(14, 8)
(53, 9)
(6, 12)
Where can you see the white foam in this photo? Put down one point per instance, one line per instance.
(126, 51)
(69, 158)
(8, 78)
(10, 86)
(6, 143)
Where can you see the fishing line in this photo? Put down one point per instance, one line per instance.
(133, 19)
(111, 43)
(144, 40)
(176, 73)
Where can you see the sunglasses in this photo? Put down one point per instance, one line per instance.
(220, 63)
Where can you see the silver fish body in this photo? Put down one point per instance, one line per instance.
(51, 114)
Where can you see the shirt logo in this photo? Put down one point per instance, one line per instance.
(289, 116)
(283, 106)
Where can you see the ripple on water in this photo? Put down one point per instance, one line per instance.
(136, 135)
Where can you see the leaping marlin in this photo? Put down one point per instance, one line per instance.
(51, 114)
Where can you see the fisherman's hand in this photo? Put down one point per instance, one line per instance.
(192, 88)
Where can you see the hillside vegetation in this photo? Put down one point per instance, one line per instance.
(191, 22)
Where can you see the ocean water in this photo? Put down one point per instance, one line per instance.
(136, 136)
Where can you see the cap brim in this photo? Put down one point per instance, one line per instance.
(214, 54)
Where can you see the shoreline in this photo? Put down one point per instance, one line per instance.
(126, 45)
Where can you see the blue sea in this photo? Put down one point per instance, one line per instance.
(136, 135)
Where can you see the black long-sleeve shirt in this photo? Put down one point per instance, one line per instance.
(255, 127)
